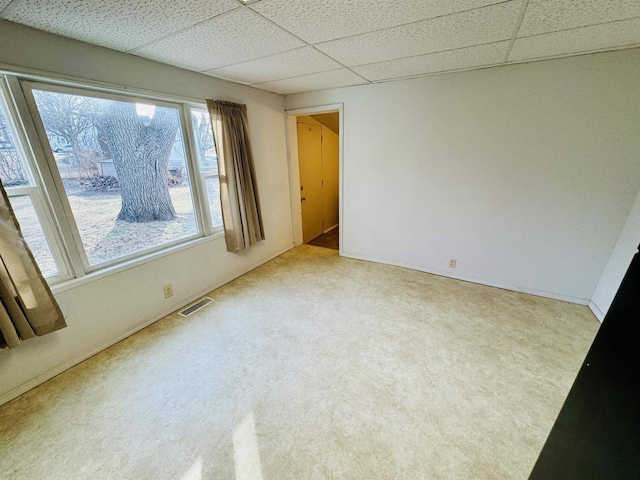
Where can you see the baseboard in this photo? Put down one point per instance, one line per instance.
(331, 228)
(465, 278)
(596, 311)
(57, 370)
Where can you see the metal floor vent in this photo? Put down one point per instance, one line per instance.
(196, 306)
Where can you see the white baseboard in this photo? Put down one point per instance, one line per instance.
(596, 311)
(57, 370)
(465, 278)
(331, 228)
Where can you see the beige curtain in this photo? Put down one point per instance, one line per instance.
(238, 190)
(27, 307)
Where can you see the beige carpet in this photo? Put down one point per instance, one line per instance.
(313, 367)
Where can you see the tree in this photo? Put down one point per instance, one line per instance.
(10, 164)
(70, 119)
(204, 135)
(140, 148)
(204, 139)
(66, 116)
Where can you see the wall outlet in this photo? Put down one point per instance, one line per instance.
(168, 291)
(452, 263)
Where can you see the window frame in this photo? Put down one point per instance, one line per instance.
(203, 176)
(82, 257)
(54, 203)
(34, 190)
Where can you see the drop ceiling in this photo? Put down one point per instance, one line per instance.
(291, 46)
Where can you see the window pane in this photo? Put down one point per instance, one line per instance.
(33, 234)
(213, 195)
(12, 172)
(208, 161)
(124, 171)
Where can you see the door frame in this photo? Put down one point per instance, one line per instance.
(294, 165)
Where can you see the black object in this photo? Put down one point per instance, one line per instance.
(597, 433)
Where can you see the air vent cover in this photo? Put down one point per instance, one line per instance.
(196, 306)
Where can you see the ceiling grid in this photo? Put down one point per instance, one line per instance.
(291, 46)
(523, 10)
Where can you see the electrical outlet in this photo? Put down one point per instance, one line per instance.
(168, 291)
(452, 263)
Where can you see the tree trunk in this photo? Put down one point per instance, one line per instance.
(141, 152)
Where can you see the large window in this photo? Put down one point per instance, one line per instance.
(123, 169)
(121, 182)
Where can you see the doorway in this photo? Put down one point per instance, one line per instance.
(291, 120)
(318, 149)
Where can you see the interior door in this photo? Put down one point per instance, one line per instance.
(330, 176)
(310, 158)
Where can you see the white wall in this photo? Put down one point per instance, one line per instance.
(625, 249)
(525, 174)
(107, 309)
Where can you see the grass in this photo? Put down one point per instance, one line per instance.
(32, 231)
(104, 238)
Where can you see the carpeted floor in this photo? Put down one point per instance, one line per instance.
(313, 366)
(331, 239)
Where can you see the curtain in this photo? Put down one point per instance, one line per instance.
(27, 306)
(238, 191)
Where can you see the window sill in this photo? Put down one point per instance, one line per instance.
(129, 264)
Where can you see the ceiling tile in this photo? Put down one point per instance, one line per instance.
(542, 16)
(317, 22)
(117, 24)
(578, 40)
(232, 38)
(469, 57)
(3, 4)
(294, 63)
(475, 27)
(317, 81)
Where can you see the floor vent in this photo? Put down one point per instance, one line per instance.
(196, 306)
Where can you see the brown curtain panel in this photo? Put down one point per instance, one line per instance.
(238, 190)
(27, 306)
